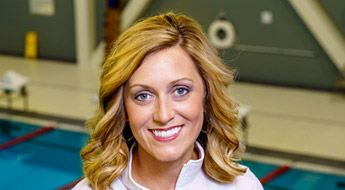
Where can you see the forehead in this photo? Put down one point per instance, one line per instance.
(167, 64)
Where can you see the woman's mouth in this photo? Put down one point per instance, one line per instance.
(166, 134)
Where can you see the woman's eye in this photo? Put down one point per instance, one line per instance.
(142, 97)
(181, 91)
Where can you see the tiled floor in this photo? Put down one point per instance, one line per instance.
(295, 120)
(55, 88)
(291, 120)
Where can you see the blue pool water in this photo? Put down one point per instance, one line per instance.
(52, 160)
(46, 162)
(295, 179)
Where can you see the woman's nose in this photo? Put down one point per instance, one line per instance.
(164, 111)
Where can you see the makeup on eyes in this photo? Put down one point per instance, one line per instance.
(182, 91)
(178, 89)
(142, 96)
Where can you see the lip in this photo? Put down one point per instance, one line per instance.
(166, 129)
(168, 139)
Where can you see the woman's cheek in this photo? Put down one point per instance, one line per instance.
(137, 115)
(192, 109)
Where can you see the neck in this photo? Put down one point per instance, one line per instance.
(154, 174)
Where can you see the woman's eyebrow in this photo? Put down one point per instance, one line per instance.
(182, 79)
(140, 85)
(172, 83)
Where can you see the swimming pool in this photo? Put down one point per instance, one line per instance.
(296, 179)
(52, 160)
(48, 161)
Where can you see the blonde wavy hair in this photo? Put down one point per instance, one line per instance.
(107, 154)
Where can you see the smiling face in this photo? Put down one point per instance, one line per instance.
(164, 100)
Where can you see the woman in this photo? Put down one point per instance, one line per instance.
(165, 120)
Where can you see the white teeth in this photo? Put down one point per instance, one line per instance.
(166, 134)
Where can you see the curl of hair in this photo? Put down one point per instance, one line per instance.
(107, 154)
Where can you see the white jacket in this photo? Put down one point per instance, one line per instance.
(191, 177)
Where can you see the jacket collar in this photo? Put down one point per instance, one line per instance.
(186, 176)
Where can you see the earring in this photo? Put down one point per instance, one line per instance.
(130, 138)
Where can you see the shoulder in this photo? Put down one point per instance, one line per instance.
(247, 181)
(82, 185)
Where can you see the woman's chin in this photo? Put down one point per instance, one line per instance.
(167, 158)
(171, 156)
